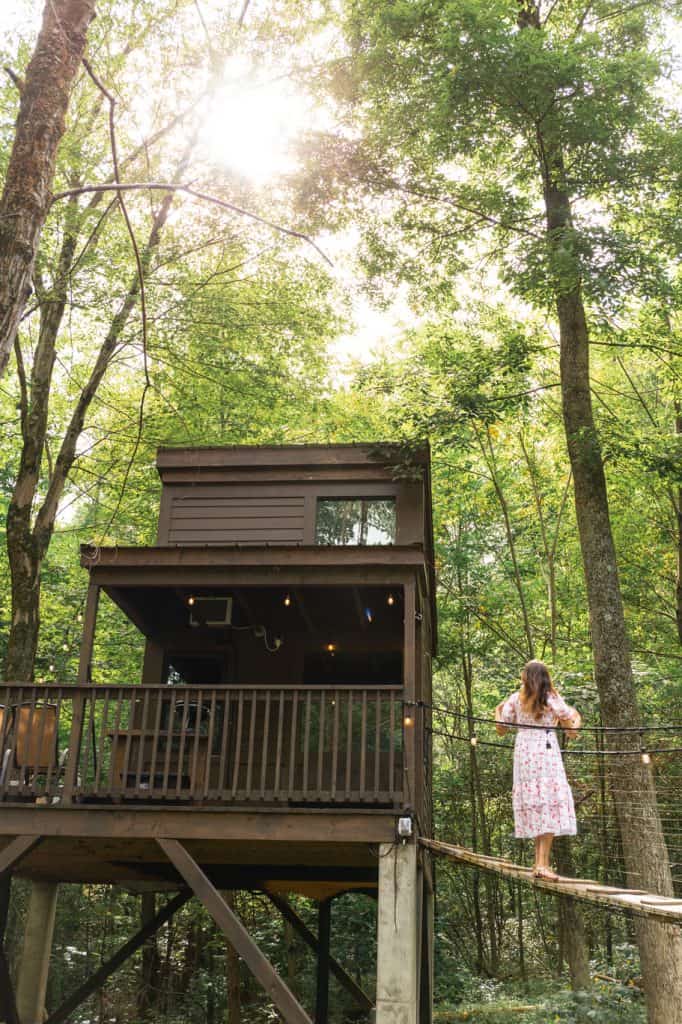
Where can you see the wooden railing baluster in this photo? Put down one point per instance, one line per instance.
(266, 737)
(255, 744)
(278, 752)
(238, 743)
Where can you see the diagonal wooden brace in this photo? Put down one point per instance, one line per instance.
(235, 932)
(335, 968)
(127, 949)
(14, 851)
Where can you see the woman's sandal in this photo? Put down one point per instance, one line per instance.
(546, 873)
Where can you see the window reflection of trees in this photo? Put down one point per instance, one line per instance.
(348, 521)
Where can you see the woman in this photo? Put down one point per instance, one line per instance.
(542, 798)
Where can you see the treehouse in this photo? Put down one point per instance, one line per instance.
(276, 738)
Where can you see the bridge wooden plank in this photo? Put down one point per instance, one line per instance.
(637, 900)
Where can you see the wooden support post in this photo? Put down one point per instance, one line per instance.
(411, 787)
(324, 922)
(35, 955)
(335, 968)
(75, 737)
(106, 970)
(397, 935)
(8, 1002)
(235, 932)
(15, 850)
(87, 643)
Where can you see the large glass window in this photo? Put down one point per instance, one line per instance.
(355, 521)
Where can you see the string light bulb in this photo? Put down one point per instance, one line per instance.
(646, 758)
(390, 600)
(287, 601)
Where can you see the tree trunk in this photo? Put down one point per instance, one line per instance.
(572, 939)
(234, 1010)
(25, 200)
(28, 541)
(678, 522)
(149, 980)
(645, 853)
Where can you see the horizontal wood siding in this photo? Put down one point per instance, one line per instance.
(234, 519)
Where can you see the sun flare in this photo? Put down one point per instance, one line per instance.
(252, 122)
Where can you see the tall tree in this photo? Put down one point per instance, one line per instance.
(505, 120)
(45, 92)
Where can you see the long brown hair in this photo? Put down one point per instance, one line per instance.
(536, 685)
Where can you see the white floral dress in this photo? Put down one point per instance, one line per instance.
(542, 798)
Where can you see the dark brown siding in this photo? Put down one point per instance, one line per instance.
(234, 518)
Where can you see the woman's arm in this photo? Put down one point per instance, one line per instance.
(571, 724)
(505, 716)
(568, 717)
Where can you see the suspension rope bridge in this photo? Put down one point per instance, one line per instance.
(599, 834)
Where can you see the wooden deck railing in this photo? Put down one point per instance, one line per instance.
(201, 745)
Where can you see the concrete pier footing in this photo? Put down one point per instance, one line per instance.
(398, 946)
(35, 957)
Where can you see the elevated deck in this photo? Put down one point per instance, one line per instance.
(291, 786)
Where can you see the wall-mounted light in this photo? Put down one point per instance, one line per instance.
(404, 827)
(408, 720)
(190, 600)
(331, 648)
(473, 741)
(287, 601)
(646, 758)
(390, 600)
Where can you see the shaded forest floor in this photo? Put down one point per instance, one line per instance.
(541, 1002)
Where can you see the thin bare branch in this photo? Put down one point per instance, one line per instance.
(158, 186)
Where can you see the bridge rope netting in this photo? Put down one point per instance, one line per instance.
(473, 768)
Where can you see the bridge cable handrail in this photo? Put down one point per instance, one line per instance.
(568, 750)
(634, 729)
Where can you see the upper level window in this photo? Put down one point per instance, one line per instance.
(355, 521)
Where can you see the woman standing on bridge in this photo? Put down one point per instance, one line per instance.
(542, 798)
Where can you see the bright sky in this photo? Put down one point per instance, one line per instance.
(253, 119)
(251, 122)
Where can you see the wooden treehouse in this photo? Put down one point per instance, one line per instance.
(273, 741)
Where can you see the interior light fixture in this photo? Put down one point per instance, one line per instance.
(190, 600)
(390, 599)
(331, 648)
(408, 720)
(368, 614)
(287, 601)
